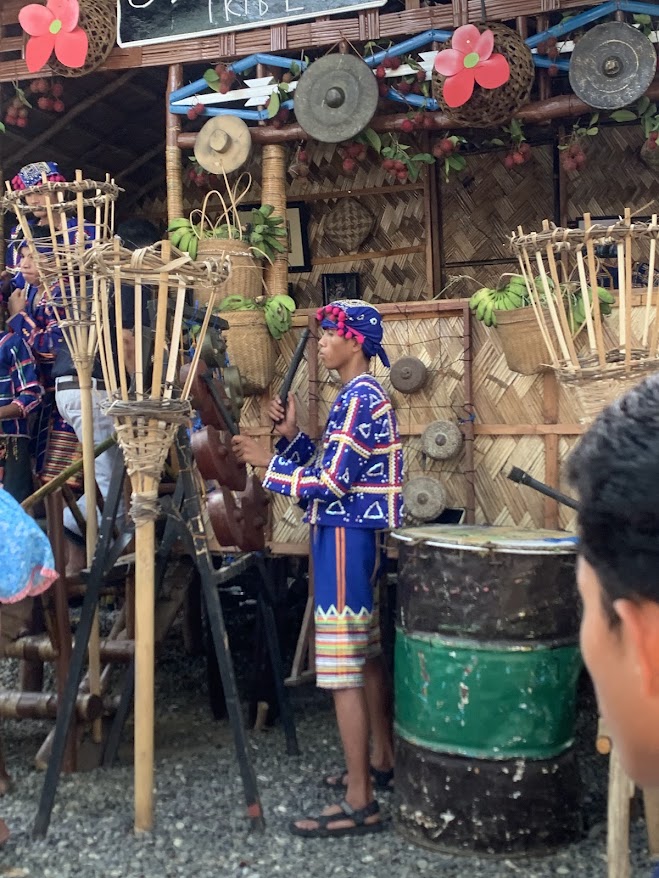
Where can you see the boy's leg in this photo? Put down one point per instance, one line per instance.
(344, 606)
(377, 685)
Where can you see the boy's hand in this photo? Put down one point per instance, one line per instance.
(285, 423)
(248, 450)
(16, 302)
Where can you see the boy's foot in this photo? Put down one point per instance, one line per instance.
(340, 820)
(382, 779)
(4, 832)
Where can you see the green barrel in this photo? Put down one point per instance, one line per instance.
(486, 670)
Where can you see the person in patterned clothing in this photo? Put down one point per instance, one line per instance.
(351, 487)
(20, 394)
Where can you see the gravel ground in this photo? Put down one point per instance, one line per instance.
(200, 830)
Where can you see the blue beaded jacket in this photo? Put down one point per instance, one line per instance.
(354, 477)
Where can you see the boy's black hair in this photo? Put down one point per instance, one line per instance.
(615, 468)
(137, 232)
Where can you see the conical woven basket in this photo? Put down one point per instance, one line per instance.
(251, 348)
(246, 277)
(521, 340)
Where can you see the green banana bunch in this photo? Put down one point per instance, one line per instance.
(577, 311)
(486, 302)
(265, 229)
(237, 303)
(278, 312)
(184, 235)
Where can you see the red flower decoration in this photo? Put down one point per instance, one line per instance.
(53, 26)
(470, 60)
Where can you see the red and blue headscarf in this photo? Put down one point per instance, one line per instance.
(33, 174)
(352, 318)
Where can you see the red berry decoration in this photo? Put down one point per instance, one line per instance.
(389, 165)
(57, 89)
(191, 113)
(654, 136)
(45, 104)
(407, 126)
(525, 149)
(553, 53)
(552, 70)
(21, 122)
(421, 76)
(349, 165)
(383, 89)
(302, 156)
(518, 158)
(394, 63)
(651, 144)
(509, 162)
(446, 145)
(404, 87)
(380, 71)
(437, 151)
(569, 164)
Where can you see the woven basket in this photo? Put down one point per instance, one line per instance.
(488, 108)
(522, 342)
(349, 224)
(246, 276)
(595, 388)
(251, 348)
(98, 18)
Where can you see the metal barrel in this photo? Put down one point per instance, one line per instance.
(486, 670)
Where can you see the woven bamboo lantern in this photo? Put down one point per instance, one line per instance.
(597, 366)
(147, 413)
(61, 258)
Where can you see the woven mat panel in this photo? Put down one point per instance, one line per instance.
(502, 396)
(391, 279)
(567, 518)
(327, 175)
(477, 219)
(498, 500)
(286, 521)
(601, 189)
(399, 222)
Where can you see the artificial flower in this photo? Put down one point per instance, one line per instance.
(53, 27)
(470, 60)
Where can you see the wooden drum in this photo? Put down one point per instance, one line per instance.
(486, 670)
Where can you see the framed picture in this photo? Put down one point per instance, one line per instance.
(297, 226)
(340, 286)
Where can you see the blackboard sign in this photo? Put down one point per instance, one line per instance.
(141, 22)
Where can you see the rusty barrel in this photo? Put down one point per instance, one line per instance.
(486, 670)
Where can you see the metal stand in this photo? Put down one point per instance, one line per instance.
(184, 520)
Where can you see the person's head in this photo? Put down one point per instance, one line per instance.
(27, 266)
(615, 469)
(136, 232)
(32, 175)
(352, 335)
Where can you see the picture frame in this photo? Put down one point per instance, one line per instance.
(297, 226)
(341, 286)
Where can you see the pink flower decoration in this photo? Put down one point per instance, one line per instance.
(53, 27)
(470, 60)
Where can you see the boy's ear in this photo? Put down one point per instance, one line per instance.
(640, 631)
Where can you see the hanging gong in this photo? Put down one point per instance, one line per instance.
(408, 374)
(336, 98)
(612, 65)
(425, 498)
(223, 144)
(441, 440)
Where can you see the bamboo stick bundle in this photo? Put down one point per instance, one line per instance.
(147, 408)
(598, 367)
(59, 256)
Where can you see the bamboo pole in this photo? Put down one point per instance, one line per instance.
(650, 291)
(592, 275)
(536, 304)
(621, 790)
(586, 300)
(627, 315)
(560, 305)
(552, 307)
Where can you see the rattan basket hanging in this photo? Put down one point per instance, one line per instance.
(246, 278)
(488, 108)
(521, 341)
(98, 18)
(251, 348)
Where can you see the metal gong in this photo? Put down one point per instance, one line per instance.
(223, 144)
(408, 374)
(336, 98)
(612, 65)
(425, 498)
(441, 440)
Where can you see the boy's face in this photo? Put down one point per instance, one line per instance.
(335, 350)
(623, 661)
(27, 267)
(37, 202)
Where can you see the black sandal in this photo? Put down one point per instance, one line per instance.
(382, 780)
(324, 821)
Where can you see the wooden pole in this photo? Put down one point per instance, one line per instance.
(538, 112)
(173, 164)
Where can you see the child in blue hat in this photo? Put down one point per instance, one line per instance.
(350, 484)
